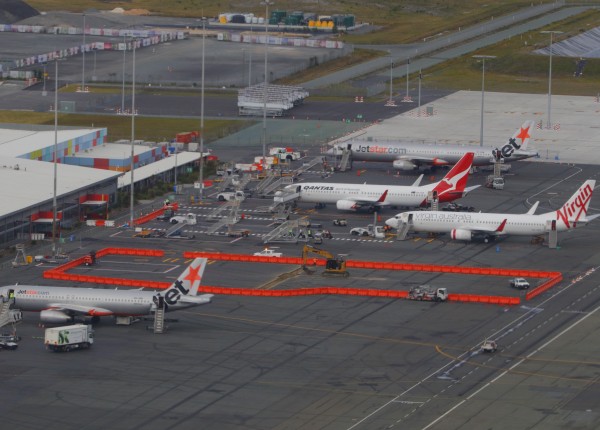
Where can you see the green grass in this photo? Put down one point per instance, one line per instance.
(119, 127)
(517, 69)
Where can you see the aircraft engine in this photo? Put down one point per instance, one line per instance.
(404, 165)
(54, 317)
(460, 234)
(346, 205)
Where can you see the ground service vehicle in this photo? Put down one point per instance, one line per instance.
(188, 218)
(166, 215)
(238, 233)
(520, 283)
(489, 346)
(66, 338)
(359, 231)
(228, 196)
(376, 231)
(333, 265)
(268, 253)
(90, 259)
(495, 183)
(7, 344)
(426, 293)
(341, 222)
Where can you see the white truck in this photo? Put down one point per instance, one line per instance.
(426, 293)
(188, 218)
(268, 253)
(285, 154)
(67, 338)
(519, 283)
(228, 196)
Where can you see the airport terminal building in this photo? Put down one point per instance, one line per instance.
(89, 172)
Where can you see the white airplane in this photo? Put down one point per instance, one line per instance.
(59, 305)
(357, 196)
(412, 156)
(487, 226)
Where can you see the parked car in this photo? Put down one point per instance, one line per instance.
(520, 283)
(7, 344)
(359, 231)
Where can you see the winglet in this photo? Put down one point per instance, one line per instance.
(500, 228)
(383, 196)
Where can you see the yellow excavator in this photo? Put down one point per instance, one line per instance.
(333, 265)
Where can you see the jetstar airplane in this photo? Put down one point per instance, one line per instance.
(487, 226)
(357, 196)
(412, 156)
(59, 305)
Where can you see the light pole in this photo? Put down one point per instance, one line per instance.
(419, 94)
(94, 77)
(131, 216)
(54, 204)
(482, 58)
(391, 102)
(83, 59)
(267, 3)
(201, 179)
(123, 76)
(551, 32)
(407, 98)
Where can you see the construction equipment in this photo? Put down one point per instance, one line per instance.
(333, 265)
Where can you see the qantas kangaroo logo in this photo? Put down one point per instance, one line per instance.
(447, 184)
(507, 150)
(575, 207)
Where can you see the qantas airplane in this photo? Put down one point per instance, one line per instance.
(59, 305)
(357, 196)
(487, 226)
(412, 156)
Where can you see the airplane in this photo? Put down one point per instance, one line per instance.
(357, 196)
(488, 226)
(413, 156)
(58, 305)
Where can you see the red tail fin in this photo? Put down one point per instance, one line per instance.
(452, 185)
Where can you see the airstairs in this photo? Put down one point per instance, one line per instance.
(8, 315)
(159, 315)
(403, 229)
(293, 231)
(345, 162)
(175, 228)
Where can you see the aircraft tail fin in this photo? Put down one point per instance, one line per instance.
(452, 186)
(189, 281)
(418, 181)
(523, 135)
(533, 208)
(575, 209)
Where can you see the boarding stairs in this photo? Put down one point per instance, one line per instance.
(293, 231)
(345, 161)
(403, 229)
(268, 180)
(175, 228)
(159, 318)
(277, 184)
(308, 165)
(8, 315)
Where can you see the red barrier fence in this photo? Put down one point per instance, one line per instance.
(555, 277)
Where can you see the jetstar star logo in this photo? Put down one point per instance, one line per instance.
(507, 150)
(576, 207)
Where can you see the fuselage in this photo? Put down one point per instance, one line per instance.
(332, 192)
(445, 222)
(119, 302)
(450, 154)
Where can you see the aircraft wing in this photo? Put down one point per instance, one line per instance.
(81, 310)
(498, 231)
(372, 202)
(434, 161)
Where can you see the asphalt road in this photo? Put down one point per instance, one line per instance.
(332, 362)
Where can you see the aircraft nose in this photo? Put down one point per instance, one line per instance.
(330, 151)
(391, 222)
